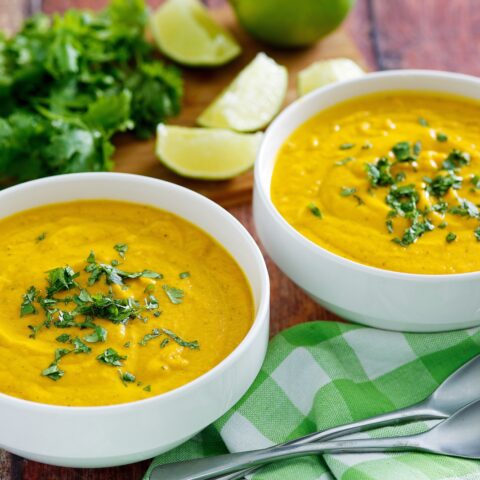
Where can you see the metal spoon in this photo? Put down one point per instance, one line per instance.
(459, 389)
(458, 436)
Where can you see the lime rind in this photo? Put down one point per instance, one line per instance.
(185, 32)
(252, 100)
(207, 154)
(324, 72)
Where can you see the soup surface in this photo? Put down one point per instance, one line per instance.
(390, 180)
(107, 302)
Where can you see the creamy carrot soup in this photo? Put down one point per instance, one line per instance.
(107, 302)
(390, 180)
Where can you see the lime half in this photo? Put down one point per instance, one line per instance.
(251, 101)
(322, 73)
(185, 32)
(210, 154)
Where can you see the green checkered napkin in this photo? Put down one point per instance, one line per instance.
(321, 374)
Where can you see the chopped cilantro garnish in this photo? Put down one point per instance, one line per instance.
(121, 248)
(441, 137)
(442, 225)
(346, 146)
(111, 357)
(344, 161)
(150, 336)
(151, 303)
(414, 232)
(450, 237)
(346, 191)
(475, 181)
(175, 295)
(53, 372)
(27, 307)
(315, 210)
(79, 346)
(99, 334)
(367, 146)
(476, 233)
(403, 199)
(192, 345)
(404, 152)
(422, 122)
(41, 237)
(184, 275)
(61, 279)
(456, 159)
(165, 342)
(441, 184)
(379, 173)
(148, 388)
(63, 338)
(127, 377)
(465, 209)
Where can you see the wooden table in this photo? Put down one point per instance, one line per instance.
(436, 34)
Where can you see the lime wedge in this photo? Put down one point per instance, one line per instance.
(210, 154)
(251, 101)
(185, 32)
(322, 73)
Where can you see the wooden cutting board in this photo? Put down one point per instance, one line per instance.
(203, 85)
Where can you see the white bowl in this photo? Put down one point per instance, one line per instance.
(125, 433)
(376, 297)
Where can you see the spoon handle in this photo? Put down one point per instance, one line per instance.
(211, 467)
(419, 411)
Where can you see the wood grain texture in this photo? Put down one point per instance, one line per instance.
(441, 34)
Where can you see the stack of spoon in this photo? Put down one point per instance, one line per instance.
(456, 401)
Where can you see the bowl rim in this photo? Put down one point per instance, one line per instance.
(262, 310)
(299, 105)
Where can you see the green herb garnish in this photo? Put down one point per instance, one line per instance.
(346, 146)
(404, 152)
(61, 279)
(465, 209)
(150, 336)
(192, 345)
(41, 237)
(379, 173)
(441, 137)
(441, 184)
(346, 191)
(121, 248)
(456, 159)
(27, 307)
(127, 377)
(111, 357)
(63, 338)
(99, 334)
(53, 372)
(422, 122)
(79, 346)
(315, 210)
(450, 237)
(184, 275)
(344, 161)
(175, 295)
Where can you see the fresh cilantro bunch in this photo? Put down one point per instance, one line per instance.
(68, 83)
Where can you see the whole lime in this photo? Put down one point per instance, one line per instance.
(291, 23)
